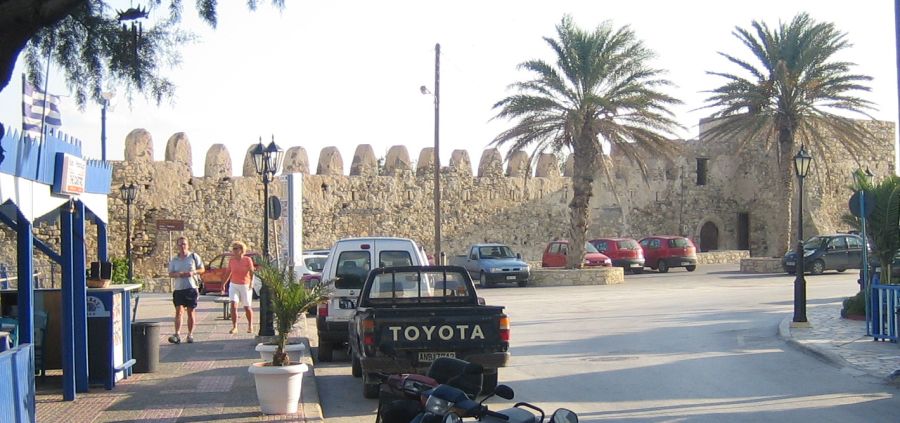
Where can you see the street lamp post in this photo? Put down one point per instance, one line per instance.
(802, 160)
(129, 192)
(437, 157)
(267, 160)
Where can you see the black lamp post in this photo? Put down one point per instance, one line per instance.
(129, 192)
(106, 97)
(802, 160)
(267, 161)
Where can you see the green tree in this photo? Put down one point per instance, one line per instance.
(96, 46)
(600, 90)
(883, 225)
(789, 93)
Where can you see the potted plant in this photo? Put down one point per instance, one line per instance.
(278, 382)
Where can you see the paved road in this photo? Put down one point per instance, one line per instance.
(681, 346)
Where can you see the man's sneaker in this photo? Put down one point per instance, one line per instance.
(190, 339)
(175, 339)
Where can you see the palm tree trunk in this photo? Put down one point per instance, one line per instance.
(784, 226)
(585, 153)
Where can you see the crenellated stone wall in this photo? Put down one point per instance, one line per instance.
(502, 201)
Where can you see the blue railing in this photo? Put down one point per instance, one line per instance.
(17, 401)
(36, 160)
(885, 311)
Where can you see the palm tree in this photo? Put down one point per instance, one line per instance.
(601, 90)
(791, 94)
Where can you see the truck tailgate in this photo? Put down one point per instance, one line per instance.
(440, 328)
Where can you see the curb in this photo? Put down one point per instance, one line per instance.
(784, 332)
(312, 407)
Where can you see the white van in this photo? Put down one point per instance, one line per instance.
(345, 271)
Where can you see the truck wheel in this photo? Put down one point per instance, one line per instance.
(483, 281)
(326, 351)
(662, 266)
(489, 381)
(370, 390)
(355, 366)
(690, 268)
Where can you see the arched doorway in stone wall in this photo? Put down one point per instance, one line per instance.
(709, 237)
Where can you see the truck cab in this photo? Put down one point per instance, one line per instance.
(345, 270)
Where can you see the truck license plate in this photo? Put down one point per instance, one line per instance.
(431, 356)
(347, 303)
(636, 265)
(511, 278)
(789, 263)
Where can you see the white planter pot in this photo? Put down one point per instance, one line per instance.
(294, 351)
(278, 388)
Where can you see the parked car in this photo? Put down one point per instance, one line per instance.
(310, 271)
(556, 251)
(213, 279)
(624, 252)
(663, 252)
(826, 252)
(493, 264)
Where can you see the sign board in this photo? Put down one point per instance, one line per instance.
(170, 224)
(70, 174)
(274, 208)
(864, 207)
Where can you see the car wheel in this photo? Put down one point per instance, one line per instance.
(841, 270)
(523, 283)
(637, 270)
(662, 266)
(690, 268)
(483, 281)
(326, 352)
(817, 268)
(355, 366)
(370, 390)
(489, 381)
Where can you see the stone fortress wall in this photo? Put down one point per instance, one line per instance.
(501, 201)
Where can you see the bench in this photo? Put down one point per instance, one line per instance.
(226, 307)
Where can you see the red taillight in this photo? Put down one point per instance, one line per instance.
(322, 310)
(504, 328)
(368, 331)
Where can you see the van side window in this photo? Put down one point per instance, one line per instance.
(394, 259)
(838, 243)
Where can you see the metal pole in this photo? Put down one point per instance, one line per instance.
(800, 280)
(865, 258)
(266, 318)
(437, 149)
(128, 240)
(103, 130)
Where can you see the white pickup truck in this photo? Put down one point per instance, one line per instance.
(346, 269)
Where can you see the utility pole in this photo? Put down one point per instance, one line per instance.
(437, 156)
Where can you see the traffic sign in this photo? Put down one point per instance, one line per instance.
(170, 224)
(865, 208)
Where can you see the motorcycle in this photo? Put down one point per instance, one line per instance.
(402, 396)
(448, 404)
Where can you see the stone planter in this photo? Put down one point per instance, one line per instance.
(278, 387)
(294, 351)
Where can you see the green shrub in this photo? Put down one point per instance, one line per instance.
(119, 269)
(854, 305)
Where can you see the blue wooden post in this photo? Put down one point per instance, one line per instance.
(102, 240)
(79, 300)
(66, 320)
(25, 267)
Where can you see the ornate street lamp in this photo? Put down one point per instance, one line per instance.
(801, 167)
(129, 192)
(267, 160)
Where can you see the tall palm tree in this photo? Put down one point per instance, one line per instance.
(600, 91)
(789, 93)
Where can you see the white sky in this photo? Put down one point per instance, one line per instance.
(348, 72)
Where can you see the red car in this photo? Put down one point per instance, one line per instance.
(213, 279)
(624, 252)
(556, 251)
(663, 252)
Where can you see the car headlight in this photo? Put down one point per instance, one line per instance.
(607, 261)
(808, 253)
(438, 406)
(495, 269)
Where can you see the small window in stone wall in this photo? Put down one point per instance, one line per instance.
(702, 168)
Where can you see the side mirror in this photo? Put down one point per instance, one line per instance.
(563, 415)
(504, 392)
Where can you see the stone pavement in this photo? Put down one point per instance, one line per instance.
(199, 382)
(844, 343)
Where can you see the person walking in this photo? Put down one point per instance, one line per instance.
(184, 269)
(239, 280)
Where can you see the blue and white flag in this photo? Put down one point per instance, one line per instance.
(36, 107)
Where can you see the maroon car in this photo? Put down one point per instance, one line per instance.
(624, 252)
(662, 252)
(556, 251)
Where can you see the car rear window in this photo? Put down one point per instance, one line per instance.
(628, 244)
(679, 243)
(352, 268)
(316, 264)
(394, 259)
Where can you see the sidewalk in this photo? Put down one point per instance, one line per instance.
(199, 382)
(844, 343)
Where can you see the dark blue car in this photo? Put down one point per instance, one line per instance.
(827, 252)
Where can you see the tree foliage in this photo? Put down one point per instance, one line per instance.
(97, 46)
(790, 91)
(883, 225)
(600, 89)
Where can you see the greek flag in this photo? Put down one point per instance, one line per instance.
(37, 106)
